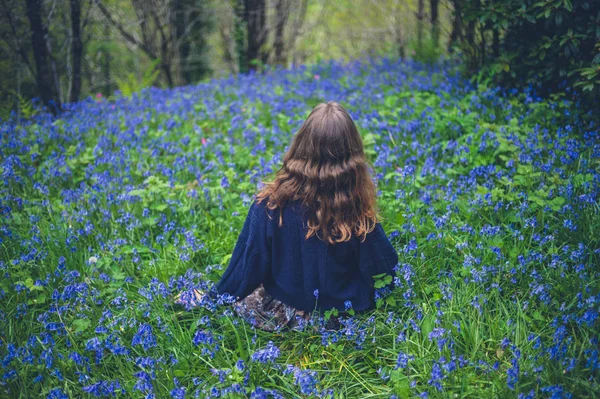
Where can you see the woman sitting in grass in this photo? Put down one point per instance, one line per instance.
(311, 239)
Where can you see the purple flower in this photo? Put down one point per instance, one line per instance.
(57, 393)
(203, 337)
(104, 389)
(347, 305)
(267, 355)
(512, 374)
(403, 360)
(144, 337)
(306, 380)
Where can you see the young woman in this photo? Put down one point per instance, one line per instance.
(311, 239)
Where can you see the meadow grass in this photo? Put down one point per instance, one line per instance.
(490, 197)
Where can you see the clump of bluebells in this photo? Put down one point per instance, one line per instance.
(489, 195)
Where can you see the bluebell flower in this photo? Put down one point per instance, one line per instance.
(203, 337)
(437, 375)
(347, 305)
(267, 355)
(240, 365)
(144, 382)
(306, 381)
(104, 389)
(57, 393)
(144, 337)
(512, 374)
(403, 360)
(178, 392)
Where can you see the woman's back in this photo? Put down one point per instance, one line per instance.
(311, 238)
(305, 273)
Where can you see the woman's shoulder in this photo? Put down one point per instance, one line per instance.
(259, 208)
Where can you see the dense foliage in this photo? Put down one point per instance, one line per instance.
(552, 44)
(491, 199)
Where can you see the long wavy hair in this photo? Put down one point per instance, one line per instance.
(325, 168)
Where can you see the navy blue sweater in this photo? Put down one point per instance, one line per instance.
(291, 267)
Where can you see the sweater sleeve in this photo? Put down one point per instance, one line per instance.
(251, 258)
(377, 255)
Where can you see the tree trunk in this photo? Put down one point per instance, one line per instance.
(296, 31)
(420, 15)
(496, 42)
(472, 58)
(106, 67)
(227, 33)
(262, 33)
(166, 68)
(435, 28)
(254, 13)
(483, 44)
(281, 15)
(43, 76)
(398, 32)
(53, 68)
(180, 21)
(76, 49)
(456, 33)
(241, 23)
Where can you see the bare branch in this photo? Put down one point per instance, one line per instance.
(17, 47)
(126, 35)
(86, 19)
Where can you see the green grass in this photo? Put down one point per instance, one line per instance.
(496, 242)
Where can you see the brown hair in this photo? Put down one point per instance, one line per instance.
(325, 168)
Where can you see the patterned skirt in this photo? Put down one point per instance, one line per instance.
(263, 311)
(267, 313)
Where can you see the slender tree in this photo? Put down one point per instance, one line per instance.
(226, 28)
(420, 16)
(495, 42)
(434, 18)
(254, 15)
(39, 36)
(456, 33)
(398, 36)
(106, 61)
(192, 22)
(240, 23)
(250, 33)
(281, 15)
(297, 26)
(76, 50)
(471, 39)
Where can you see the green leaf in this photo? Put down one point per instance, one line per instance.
(41, 299)
(137, 193)
(179, 373)
(159, 207)
(118, 275)
(538, 316)
(81, 324)
(226, 259)
(568, 5)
